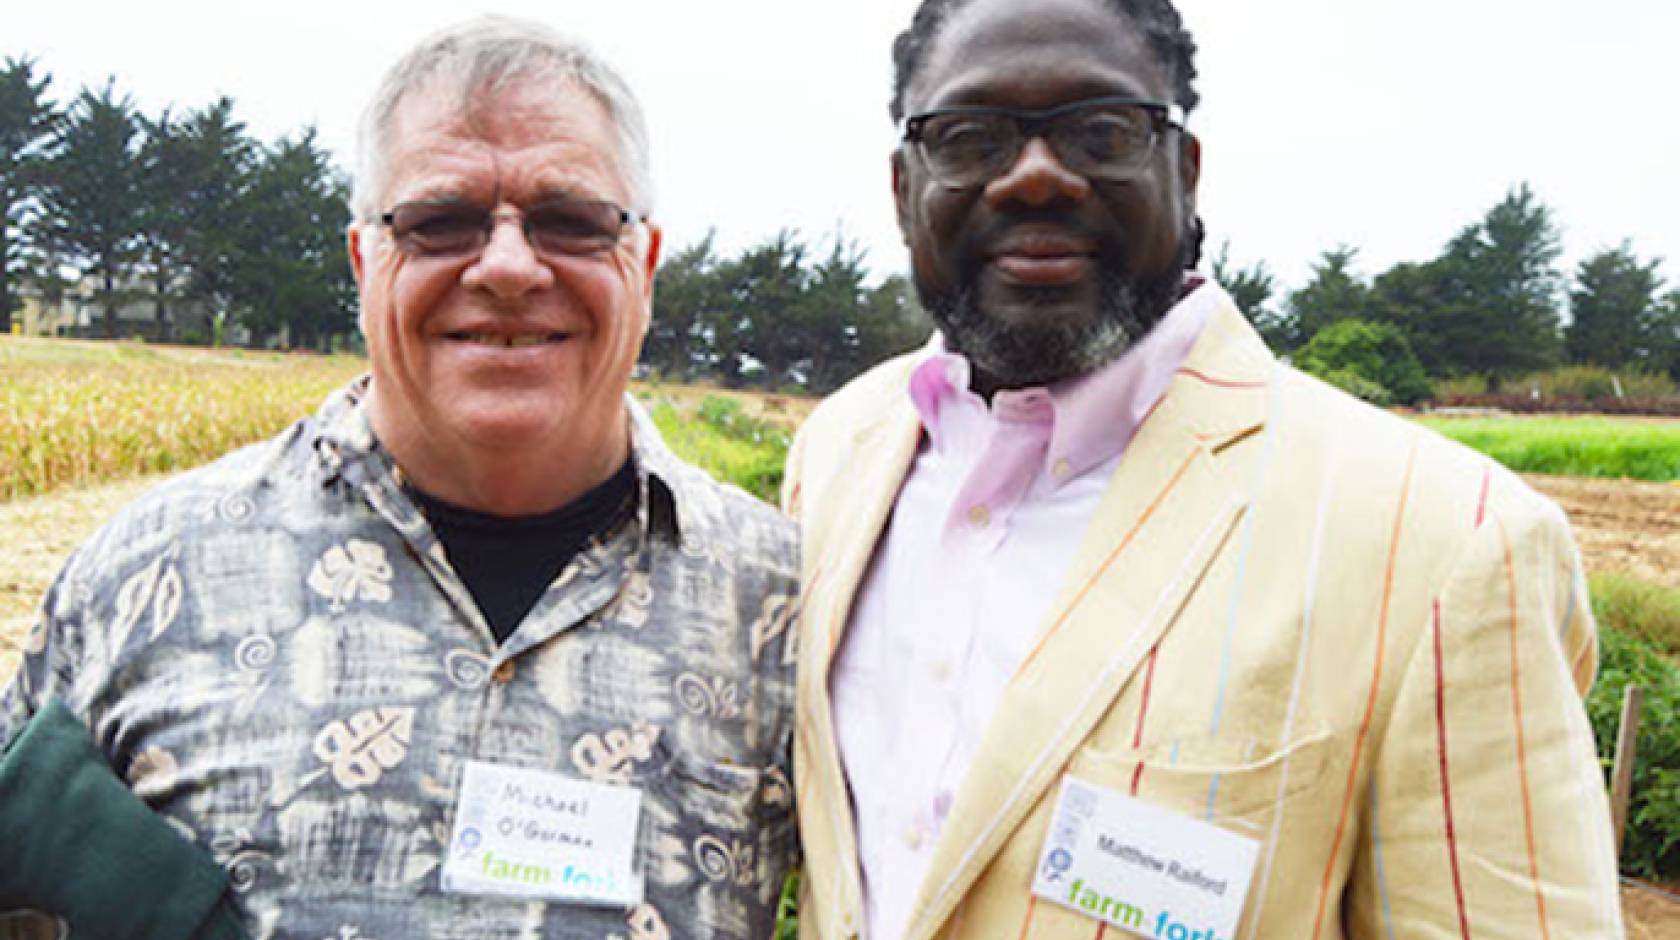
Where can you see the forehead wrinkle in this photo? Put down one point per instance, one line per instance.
(485, 152)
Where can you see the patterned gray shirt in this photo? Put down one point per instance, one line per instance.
(275, 653)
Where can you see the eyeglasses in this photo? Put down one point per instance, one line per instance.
(1101, 138)
(561, 226)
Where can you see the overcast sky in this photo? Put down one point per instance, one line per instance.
(1385, 124)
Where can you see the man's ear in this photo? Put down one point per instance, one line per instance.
(353, 241)
(1189, 165)
(650, 263)
(901, 192)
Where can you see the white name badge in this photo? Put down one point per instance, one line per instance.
(534, 834)
(1143, 868)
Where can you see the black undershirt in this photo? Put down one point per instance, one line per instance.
(507, 562)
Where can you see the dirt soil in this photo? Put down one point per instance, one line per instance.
(1622, 526)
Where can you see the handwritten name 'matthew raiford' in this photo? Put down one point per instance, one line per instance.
(1131, 854)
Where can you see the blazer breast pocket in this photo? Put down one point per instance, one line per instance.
(1241, 787)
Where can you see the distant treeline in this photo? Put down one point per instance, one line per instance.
(1491, 305)
(177, 210)
(184, 210)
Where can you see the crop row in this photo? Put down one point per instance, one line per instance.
(1608, 448)
(73, 423)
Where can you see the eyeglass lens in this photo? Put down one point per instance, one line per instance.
(1108, 141)
(557, 227)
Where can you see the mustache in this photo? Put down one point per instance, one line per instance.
(1111, 244)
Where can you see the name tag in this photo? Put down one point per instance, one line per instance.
(1143, 868)
(534, 834)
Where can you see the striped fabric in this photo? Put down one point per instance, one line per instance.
(1294, 616)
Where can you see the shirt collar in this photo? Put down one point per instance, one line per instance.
(347, 447)
(1094, 415)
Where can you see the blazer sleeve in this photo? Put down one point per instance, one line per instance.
(1486, 814)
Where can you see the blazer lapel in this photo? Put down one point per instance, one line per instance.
(1166, 516)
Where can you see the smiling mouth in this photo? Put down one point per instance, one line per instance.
(521, 341)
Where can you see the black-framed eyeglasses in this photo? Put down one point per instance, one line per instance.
(1108, 138)
(558, 226)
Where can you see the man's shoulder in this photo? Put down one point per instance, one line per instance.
(233, 489)
(1371, 443)
(864, 397)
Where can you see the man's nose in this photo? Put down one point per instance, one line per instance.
(1037, 178)
(508, 267)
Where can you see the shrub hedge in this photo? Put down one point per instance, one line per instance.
(1639, 644)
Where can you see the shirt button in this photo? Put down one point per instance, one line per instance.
(940, 670)
(980, 517)
(504, 673)
(913, 837)
(1062, 469)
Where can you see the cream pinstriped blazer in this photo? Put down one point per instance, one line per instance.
(1294, 616)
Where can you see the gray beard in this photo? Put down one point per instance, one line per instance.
(1016, 356)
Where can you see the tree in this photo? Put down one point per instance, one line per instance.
(1663, 337)
(1488, 304)
(890, 323)
(1425, 302)
(27, 121)
(822, 329)
(757, 289)
(91, 197)
(195, 169)
(1252, 289)
(1334, 293)
(1613, 309)
(291, 276)
(686, 296)
(1508, 262)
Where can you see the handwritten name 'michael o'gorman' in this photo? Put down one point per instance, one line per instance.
(541, 828)
(1171, 868)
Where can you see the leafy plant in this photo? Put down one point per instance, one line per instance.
(728, 443)
(1651, 846)
(1371, 360)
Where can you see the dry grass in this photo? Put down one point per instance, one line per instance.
(38, 534)
(75, 414)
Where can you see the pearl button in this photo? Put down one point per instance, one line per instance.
(913, 838)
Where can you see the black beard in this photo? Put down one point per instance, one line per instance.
(1016, 356)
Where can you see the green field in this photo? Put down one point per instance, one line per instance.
(1610, 448)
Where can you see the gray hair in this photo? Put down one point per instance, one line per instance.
(491, 53)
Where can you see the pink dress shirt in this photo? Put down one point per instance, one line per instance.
(985, 526)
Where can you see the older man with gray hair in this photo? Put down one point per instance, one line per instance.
(468, 653)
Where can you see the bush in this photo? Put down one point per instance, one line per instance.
(1572, 389)
(1357, 355)
(1651, 846)
(1649, 613)
(728, 443)
(1595, 383)
(1358, 386)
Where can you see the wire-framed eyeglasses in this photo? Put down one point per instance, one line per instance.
(560, 226)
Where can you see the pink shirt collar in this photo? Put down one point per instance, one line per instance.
(1094, 416)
